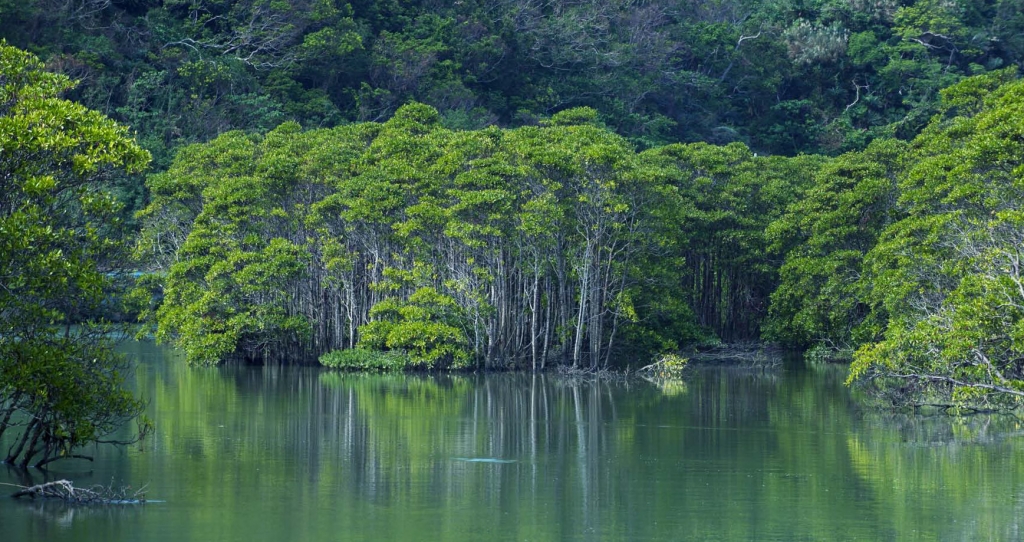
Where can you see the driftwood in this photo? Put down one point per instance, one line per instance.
(66, 491)
(742, 354)
(588, 373)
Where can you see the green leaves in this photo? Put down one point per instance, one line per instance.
(299, 243)
(428, 328)
(824, 238)
(60, 243)
(783, 77)
(232, 280)
(911, 255)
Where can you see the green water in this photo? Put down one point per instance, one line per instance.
(244, 453)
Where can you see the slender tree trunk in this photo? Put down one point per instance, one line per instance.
(584, 293)
(15, 450)
(549, 316)
(594, 327)
(31, 450)
(534, 316)
(10, 409)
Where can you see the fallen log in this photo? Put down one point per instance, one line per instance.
(755, 355)
(66, 491)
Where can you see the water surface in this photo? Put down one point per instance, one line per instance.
(286, 453)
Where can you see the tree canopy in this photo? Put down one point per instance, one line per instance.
(60, 240)
(784, 77)
(494, 248)
(562, 243)
(948, 272)
(906, 257)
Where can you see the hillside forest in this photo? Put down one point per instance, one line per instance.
(522, 184)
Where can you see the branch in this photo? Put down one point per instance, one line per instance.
(66, 491)
(733, 61)
(742, 38)
(955, 382)
(857, 99)
(52, 459)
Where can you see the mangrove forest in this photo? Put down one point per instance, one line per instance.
(516, 185)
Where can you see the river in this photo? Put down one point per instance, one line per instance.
(293, 453)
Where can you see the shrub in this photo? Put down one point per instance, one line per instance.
(363, 359)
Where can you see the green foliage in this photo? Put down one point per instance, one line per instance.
(487, 248)
(427, 327)
(907, 255)
(575, 116)
(820, 299)
(783, 77)
(228, 238)
(557, 241)
(722, 200)
(60, 235)
(670, 366)
(824, 353)
(362, 359)
(948, 272)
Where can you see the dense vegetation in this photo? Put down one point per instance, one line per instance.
(382, 184)
(60, 242)
(489, 248)
(910, 254)
(783, 76)
(561, 243)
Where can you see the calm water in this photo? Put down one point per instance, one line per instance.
(299, 454)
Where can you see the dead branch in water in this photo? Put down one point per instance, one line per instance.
(743, 354)
(66, 491)
(666, 374)
(667, 366)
